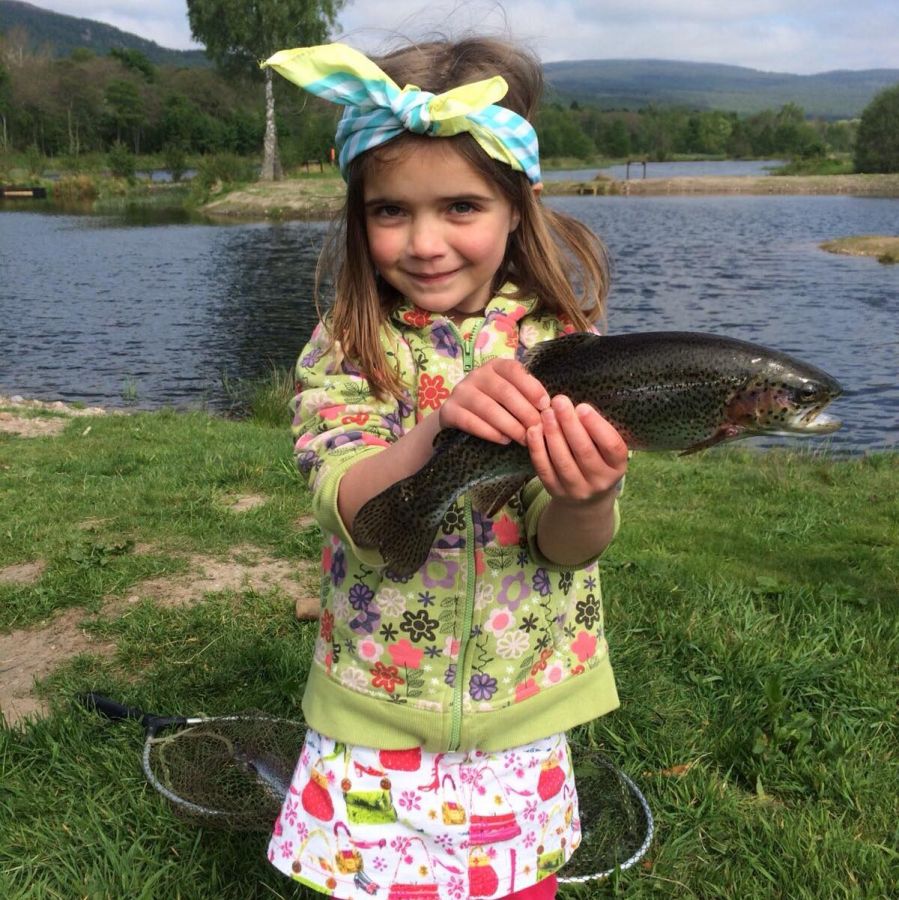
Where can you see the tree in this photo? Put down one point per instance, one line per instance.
(239, 35)
(126, 109)
(877, 142)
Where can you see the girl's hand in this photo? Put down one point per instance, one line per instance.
(499, 401)
(577, 454)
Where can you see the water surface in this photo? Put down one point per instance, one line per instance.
(94, 308)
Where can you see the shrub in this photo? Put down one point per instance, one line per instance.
(223, 168)
(75, 187)
(175, 159)
(121, 161)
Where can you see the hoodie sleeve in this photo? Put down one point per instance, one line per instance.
(337, 421)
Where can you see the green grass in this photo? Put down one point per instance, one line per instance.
(828, 165)
(750, 607)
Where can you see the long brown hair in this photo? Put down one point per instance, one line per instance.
(550, 256)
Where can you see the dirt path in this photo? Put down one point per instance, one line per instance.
(39, 418)
(28, 655)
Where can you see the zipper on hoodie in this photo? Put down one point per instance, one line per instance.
(468, 611)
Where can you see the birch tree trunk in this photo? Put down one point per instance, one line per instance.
(271, 163)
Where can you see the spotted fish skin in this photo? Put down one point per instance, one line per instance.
(663, 390)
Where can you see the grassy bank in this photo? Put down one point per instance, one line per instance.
(884, 248)
(750, 607)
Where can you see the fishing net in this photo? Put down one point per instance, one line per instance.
(616, 822)
(231, 772)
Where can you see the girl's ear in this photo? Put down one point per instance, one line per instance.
(538, 189)
(515, 220)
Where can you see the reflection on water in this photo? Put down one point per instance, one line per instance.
(90, 304)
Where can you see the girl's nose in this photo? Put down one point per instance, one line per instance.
(426, 239)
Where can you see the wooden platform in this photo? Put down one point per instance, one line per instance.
(14, 192)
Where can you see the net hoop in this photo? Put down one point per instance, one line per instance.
(206, 812)
(638, 854)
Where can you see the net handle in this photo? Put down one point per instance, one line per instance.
(118, 711)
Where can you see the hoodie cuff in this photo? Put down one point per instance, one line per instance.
(536, 499)
(324, 504)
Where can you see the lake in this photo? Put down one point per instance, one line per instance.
(680, 169)
(95, 308)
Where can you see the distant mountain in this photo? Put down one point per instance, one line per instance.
(637, 83)
(66, 33)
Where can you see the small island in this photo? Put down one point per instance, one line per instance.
(885, 248)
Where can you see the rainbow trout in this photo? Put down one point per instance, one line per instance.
(664, 390)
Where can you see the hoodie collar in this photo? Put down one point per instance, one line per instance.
(501, 306)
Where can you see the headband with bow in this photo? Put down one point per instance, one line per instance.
(377, 110)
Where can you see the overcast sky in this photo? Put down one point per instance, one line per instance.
(800, 36)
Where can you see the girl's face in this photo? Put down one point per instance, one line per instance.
(437, 230)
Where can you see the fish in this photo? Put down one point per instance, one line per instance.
(661, 390)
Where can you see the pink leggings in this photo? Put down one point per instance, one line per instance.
(542, 890)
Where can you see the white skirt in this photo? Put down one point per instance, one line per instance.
(359, 822)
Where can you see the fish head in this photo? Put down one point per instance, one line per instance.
(785, 397)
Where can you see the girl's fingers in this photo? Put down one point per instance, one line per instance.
(604, 436)
(490, 418)
(516, 391)
(567, 443)
(543, 467)
(579, 454)
(499, 398)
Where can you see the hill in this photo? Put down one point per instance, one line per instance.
(609, 83)
(637, 83)
(63, 34)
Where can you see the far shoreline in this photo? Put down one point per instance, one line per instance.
(319, 198)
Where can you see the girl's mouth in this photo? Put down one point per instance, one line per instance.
(431, 277)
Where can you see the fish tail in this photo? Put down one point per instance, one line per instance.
(401, 525)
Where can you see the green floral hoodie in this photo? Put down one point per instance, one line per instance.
(489, 645)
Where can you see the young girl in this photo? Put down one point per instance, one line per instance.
(436, 764)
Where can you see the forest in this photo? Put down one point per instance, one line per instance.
(87, 103)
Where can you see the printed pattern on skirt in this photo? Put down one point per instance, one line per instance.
(359, 822)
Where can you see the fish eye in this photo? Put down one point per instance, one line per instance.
(808, 390)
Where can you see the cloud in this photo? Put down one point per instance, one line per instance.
(777, 35)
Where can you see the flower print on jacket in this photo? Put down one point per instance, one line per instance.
(514, 590)
(419, 625)
(386, 677)
(367, 620)
(417, 318)
(588, 611)
(483, 603)
(326, 625)
(541, 582)
(404, 654)
(483, 528)
(445, 342)
(431, 391)
(338, 566)
(512, 645)
(481, 686)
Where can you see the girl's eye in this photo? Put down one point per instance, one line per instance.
(388, 211)
(462, 207)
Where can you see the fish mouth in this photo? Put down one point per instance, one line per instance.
(815, 421)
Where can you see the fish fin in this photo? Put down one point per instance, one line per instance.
(546, 352)
(489, 497)
(393, 522)
(726, 432)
